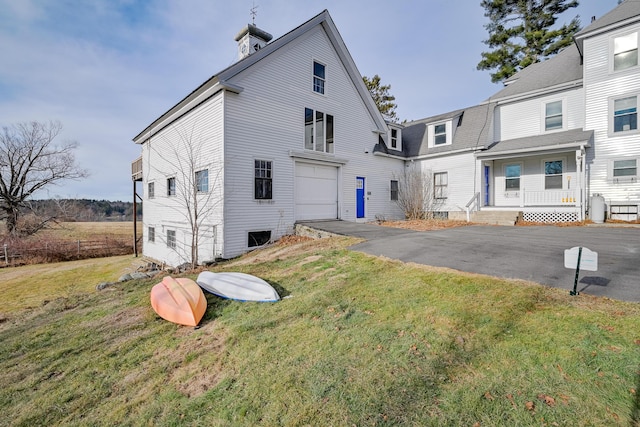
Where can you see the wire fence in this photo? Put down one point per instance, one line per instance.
(19, 253)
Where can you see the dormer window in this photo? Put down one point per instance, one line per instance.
(395, 139)
(440, 134)
(625, 52)
(318, 77)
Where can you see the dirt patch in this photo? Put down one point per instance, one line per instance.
(424, 225)
(199, 362)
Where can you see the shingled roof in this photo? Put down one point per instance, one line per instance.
(625, 11)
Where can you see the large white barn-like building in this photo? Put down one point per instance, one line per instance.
(290, 133)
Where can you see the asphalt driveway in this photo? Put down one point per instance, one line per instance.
(530, 253)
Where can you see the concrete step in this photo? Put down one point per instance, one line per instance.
(496, 217)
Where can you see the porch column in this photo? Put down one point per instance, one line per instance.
(581, 179)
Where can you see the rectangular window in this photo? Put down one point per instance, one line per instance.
(258, 238)
(553, 115)
(318, 77)
(624, 168)
(553, 175)
(263, 179)
(394, 139)
(151, 190)
(512, 177)
(625, 52)
(202, 181)
(151, 235)
(171, 239)
(318, 131)
(394, 190)
(625, 115)
(440, 182)
(171, 186)
(439, 134)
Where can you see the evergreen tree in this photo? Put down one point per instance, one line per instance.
(382, 98)
(521, 33)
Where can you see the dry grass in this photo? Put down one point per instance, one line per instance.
(425, 224)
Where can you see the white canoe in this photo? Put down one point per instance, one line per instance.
(237, 286)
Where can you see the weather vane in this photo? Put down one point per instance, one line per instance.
(254, 12)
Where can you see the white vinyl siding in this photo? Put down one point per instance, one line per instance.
(459, 179)
(528, 117)
(603, 85)
(266, 121)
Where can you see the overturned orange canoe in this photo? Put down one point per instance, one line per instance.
(179, 301)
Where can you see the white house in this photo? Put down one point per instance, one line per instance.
(285, 134)
(290, 133)
(558, 133)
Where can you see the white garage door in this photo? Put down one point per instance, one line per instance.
(316, 191)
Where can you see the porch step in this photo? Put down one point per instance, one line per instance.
(496, 217)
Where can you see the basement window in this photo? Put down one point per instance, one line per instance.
(258, 238)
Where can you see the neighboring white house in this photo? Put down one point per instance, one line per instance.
(558, 133)
(290, 133)
(285, 134)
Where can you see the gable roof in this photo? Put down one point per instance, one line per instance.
(559, 70)
(625, 13)
(220, 81)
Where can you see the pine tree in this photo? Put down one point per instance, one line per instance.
(382, 98)
(521, 33)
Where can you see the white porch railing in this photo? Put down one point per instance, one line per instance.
(549, 198)
(473, 205)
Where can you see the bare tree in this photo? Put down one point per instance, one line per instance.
(30, 160)
(195, 191)
(417, 194)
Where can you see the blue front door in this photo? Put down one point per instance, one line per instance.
(487, 188)
(359, 197)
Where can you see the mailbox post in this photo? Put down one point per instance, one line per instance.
(579, 257)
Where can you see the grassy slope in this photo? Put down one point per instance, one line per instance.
(361, 341)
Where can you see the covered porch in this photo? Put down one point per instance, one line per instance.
(543, 177)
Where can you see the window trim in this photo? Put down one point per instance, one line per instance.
(611, 115)
(397, 139)
(169, 187)
(323, 86)
(504, 172)
(394, 192)
(151, 190)
(448, 133)
(197, 181)
(623, 178)
(172, 242)
(612, 53)
(328, 142)
(442, 187)
(563, 162)
(270, 170)
(151, 234)
(562, 115)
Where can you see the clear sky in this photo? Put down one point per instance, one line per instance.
(107, 68)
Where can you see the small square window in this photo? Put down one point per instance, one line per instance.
(171, 239)
(151, 234)
(171, 186)
(318, 77)
(263, 172)
(202, 181)
(151, 190)
(394, 190)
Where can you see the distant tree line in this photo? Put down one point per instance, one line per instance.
(85, 210)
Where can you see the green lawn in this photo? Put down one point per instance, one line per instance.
(357, 340)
